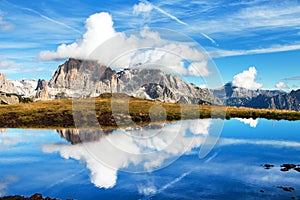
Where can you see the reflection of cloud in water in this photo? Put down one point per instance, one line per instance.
(273, 143)
(5, 182)
(152, 190)
(247, 173)
(252, 122)
(15, 137)
(122, 150)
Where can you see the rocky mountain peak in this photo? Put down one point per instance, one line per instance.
(2, 78)
(42, 90)
(77, 78)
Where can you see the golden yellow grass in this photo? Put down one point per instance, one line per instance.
(120, 110)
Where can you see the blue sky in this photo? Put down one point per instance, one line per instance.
(263, 34)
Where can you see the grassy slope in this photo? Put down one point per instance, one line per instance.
(119, 110)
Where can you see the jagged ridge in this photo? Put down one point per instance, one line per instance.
(77, 78)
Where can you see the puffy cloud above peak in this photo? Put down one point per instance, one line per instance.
(148, 47)
(99, 28)
(281, 85)
(246, 79)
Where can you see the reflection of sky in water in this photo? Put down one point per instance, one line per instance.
(33, 161)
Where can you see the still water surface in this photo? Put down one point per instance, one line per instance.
(197, 159)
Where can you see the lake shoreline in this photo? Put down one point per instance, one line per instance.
(110, 113)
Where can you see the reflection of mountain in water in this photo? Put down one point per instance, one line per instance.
(138, 149)
(76, 136)
(3, 130)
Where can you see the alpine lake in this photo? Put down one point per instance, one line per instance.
(192, 159)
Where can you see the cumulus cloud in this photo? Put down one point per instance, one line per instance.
(142, 149)
(99, 28)
(281, 85)
(198, 69)
(252, 122)
(128, 49)
(246, 79)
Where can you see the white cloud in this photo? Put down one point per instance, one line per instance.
(198, 69)
(142, 149)
(4, 25)
(142, 8)
(101, 42)
(147, 7)
(7, 64)
(252, 122)
(202, 86)
(5, 182)
(281, 85)
(99, 28)
(152, 190)
(147, 190)
(273, 143)
(218, 53)
(246, 79)
(201, 127)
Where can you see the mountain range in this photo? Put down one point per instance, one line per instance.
(79, 79)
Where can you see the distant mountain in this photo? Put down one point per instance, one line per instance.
(273, 99)
(22, 87)
(77, 78)
(12, 91)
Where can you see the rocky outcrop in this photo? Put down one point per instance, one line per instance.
(42, 90)
(8, 98)
(77, 78)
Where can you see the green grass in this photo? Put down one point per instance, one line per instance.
(117, 110)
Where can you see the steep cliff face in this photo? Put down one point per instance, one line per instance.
(42, 90)
(78, 78)
(288, 101)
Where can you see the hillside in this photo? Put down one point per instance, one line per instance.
(90, 112)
